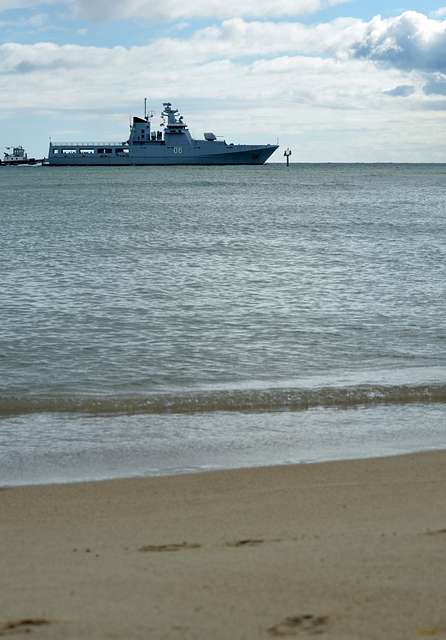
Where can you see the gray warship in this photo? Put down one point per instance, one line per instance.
(172, 144)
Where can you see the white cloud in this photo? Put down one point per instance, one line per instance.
(237, 37)
(409, 41)
(439, 13)
(101, 10)
(206, 66)
(231, 40)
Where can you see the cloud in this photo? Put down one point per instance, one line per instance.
(436, 86)
(103, 10)
(29, 67)
(410, 41)
(434, 105)
(5, 5)
(439, 13)
(401, 91)
(41, 57)
(78, 77)
(237, 38)
(238, 61)
(258, 65)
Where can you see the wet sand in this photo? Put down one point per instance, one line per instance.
(342, 550)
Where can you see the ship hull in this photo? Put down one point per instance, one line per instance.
(18, 163)
(250, 156)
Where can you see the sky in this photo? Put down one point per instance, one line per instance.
(334, 80)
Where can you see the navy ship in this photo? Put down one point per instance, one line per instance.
(171, 144)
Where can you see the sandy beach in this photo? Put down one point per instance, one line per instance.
(353, 549)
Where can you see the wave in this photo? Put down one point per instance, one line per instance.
(251, 401)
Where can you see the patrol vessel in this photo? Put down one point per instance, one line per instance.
(171, 144)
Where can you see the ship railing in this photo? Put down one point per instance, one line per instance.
(86, 144)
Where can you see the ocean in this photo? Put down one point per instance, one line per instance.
(160, 320)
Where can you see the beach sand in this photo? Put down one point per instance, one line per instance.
(344, 550)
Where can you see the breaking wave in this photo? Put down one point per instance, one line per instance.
(250, 401)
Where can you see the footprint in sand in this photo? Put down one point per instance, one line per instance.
(248, 542)
(181, 546)
(26, 625)
(435, 532)
(300, 625)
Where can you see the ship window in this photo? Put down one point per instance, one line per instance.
(86, 151)
(108, 150)
(68, 151)
(101, 150)
(55, 151)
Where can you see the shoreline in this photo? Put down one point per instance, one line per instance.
(349, 549)
(4, 486)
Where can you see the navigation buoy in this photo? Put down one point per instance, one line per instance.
(287, 154)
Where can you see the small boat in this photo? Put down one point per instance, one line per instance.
(17, 156)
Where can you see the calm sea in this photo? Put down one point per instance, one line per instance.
(161, 320)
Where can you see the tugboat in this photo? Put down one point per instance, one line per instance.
(172, 144)
(17, 157)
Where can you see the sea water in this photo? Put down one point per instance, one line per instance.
(166, 319)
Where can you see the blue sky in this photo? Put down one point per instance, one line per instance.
(334, 79)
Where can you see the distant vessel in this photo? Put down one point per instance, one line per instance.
(18, 156)
(173, 144)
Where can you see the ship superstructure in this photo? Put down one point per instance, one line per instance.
(171, 144)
